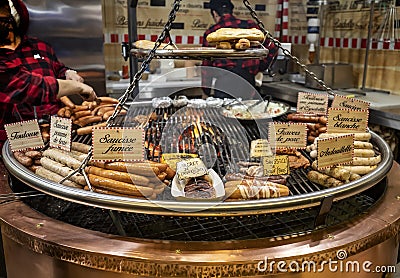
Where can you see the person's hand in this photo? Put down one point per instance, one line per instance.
(73, 75)
(72, 87)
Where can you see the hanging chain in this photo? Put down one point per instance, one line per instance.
(285, 51)
(130, 91)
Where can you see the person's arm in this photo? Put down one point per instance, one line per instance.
(25, 86)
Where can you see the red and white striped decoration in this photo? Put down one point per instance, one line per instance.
(285, 21)
(119, 38)
(278, 19)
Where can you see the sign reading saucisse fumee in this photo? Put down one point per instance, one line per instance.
(112, 144)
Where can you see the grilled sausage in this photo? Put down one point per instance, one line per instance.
(23, 159)
(119, 187)
(119, 176)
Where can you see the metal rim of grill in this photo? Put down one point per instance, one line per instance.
(305, 195)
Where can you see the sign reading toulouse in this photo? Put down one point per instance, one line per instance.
(24, 135)
(111, 144)
(291, 136)
(336, 150)
(309, 103)
(346, 120)
(60, 133)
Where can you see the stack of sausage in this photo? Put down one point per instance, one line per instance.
(316, 125)
(89, 114)
(56, 164)
(30, 158)
(137, 179)
(365, 160)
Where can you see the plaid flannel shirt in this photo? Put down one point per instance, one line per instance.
(28, 81)
(253, 66)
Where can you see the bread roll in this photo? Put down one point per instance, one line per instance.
(228, 34)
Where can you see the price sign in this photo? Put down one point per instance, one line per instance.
(173, 158)
(276, 165)
(60, 133)
(290, 136)
(342, 102)
(24, 135)
(335, 151)
(111, 144)
(346, 120)
(190, 168)
(260, 148)
(309, 103)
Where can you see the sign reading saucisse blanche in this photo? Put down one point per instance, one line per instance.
(342, 102)
(112, 144)
(60, 133)
(336, 150)
(346, 120)
(24, 135)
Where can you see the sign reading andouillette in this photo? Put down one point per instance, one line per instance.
(289, 135)
(60, 133)
(24, 135)
(343, 102)
(346, 120)
(311, 103)
(336, 150)
(113, 144)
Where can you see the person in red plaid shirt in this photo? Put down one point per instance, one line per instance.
(32, 79)
(221, 11)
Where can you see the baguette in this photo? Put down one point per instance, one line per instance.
(146, 44)
(120, 187)
(254, 190)
(228, 34)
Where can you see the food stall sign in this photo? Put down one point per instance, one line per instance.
(24, 135)
(118, 144)
(191, 168)
(343, 102)
(334, 151)
(173, 158)
(260, 148)
(60, 133)
(311, 103)
(289, 135)
(276, 165)
(346, 120)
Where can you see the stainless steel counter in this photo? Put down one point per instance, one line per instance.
(384, 108)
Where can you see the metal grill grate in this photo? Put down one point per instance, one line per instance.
(276, 225)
